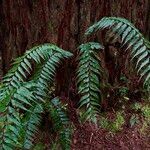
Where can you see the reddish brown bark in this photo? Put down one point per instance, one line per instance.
(25, 23)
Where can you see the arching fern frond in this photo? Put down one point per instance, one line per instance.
(88, 75)
(140, 47)
(47, 75)
(23, 65)
(60, 122)
(47, 54)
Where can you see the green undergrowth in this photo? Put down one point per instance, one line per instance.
(138, 116)
(39, 146)
(114, 125)
(143, 111)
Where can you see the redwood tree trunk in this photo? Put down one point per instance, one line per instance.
(25, 23)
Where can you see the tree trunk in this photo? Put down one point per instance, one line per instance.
(25, 23)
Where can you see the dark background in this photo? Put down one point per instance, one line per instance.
(25, 23)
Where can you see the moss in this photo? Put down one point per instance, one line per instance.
(145, 110)
(146, 123)
(104, 123)
(39, 146)
(145, 113)
(113, 126)
(145, 128)
(136, 106)
(118, 123)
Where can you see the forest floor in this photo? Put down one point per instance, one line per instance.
(128, 129)
(125, 128)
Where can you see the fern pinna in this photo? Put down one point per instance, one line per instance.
(30, 126)
(22, 92)
(140, 47)
(61, 122)
(88, 75)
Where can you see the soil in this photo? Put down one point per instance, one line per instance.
(92, 138)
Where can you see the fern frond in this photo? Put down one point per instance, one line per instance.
(60, 122)
(47, 75)
(65, 138)
(140, 47)
(16, 94)
(11, 104)
(30, 126)
(88, 75)
(10, 130)
(23, 65)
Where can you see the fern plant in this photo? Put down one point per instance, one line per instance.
(61, 122)
(88, 75)
(23, 93)
(140, 47)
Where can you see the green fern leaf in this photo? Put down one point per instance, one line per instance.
(13, 101)
(47, 74)
(22, 65)
(60, 122)
(18, 96)
(140, 47)
(30, 126)
(88, 83)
